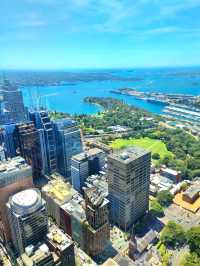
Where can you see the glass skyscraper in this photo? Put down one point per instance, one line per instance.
(68, 144)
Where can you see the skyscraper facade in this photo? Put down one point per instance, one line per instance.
(12, 106)
(28, 141)
(15, 175)
(68, 144)
(128, 185)
(47, 139)
(28, 218)
(84, 164)
(98, 231)
(8, 140)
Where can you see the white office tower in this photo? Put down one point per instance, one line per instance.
(27, 218)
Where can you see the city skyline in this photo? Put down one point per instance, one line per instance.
(99, 34)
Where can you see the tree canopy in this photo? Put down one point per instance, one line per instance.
(193, 239)
(173, 235)
(164, 198)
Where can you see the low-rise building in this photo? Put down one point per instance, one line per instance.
(36, 256)
(171, 174)
(191, 194)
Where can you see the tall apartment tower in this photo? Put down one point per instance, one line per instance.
(68, 144)
(15, 175)
(28, 218)
(85, 164)
(47, 139)
(12, 106)
(27, 138)
(128, 185)
(97, 232)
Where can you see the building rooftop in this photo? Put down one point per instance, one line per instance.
(76, 208)
(170, 171)
(26, 201)
(192, 191)
(58, 239)
(98, 181)
(128, 155)
(89, 153)
(95, 197)
(33, 256)
(65, 123)
(13, 164)
(25, 198)
(110, 262)
(142, 243)
(58, 190)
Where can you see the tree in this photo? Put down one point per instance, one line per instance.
(173, 235)
(191, 259)
(164, 198)
(156, 156)
(156, 209)
(167, 159)
(193, 239)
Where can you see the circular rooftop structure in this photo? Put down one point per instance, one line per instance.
(26, 201)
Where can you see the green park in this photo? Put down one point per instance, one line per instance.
(153, 145)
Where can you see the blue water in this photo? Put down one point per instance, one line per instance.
(69, 98)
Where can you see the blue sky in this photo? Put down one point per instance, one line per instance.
(59, 34)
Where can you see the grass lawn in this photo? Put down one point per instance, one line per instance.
(153, 145)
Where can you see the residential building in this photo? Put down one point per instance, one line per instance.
(85, 164)
(47, 140)
(28, 218)
(68, 144)
(62, 245)
(98, 228)
(27, 139)
(15, 175)
(128, 185)
(12, 106)
(56, 193)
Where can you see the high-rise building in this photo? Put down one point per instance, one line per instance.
(2, 154)
(85, 164)
(62, 245)
(47, 139)
(68, 144)
(56, 193)
(28, 141)
(15, 175)
(128, 185)
(12, 106)
(98, 231)
(8, 140)
(73, 220)
(28, 218)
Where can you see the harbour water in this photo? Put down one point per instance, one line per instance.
(69, 97)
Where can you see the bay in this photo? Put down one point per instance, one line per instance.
(69, 97)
